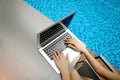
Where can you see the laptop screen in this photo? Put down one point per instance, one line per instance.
(50, 34)
(67, 20)
(55, 30)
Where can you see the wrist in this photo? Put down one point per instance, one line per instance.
(66, 71)
(65, 75)
(84, 51)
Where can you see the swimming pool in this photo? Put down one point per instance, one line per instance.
(97, 23)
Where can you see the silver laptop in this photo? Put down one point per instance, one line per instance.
(52, 39)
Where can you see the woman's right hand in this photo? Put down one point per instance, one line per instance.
(74, 44)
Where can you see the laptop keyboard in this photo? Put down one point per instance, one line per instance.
(57, 45)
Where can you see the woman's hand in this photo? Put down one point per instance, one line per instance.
(74, 44)
(61, 62)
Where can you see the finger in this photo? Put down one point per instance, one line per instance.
(67, 39)
(69, 42)
(56, 56)
(55, 59)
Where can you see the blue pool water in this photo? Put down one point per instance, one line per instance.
(97, 23)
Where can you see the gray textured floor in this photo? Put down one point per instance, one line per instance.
(19, 58)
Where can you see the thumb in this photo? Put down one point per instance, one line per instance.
(67, 56)
(71, 46)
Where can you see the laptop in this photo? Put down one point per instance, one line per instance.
(52, 39)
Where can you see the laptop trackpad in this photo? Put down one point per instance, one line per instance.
(73, 56)
(71, 53)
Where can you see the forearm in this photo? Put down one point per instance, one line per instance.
(99, 68)
(94, 63)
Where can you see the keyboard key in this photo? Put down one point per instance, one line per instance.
(57, 45)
